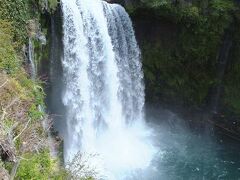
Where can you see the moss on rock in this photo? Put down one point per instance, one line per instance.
(183, 68)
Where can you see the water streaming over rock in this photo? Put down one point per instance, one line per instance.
(31, 59)
(103, 88)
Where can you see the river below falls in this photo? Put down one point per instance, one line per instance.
(187, 155)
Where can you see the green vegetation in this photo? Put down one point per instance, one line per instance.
(8, 58)
(19, 114)
(53, 4)
(35, 166)
(184, 69)
(22, 136)
(39, 167)
(18, 13)
(49, 5)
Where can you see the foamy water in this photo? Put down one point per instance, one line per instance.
(104, 90)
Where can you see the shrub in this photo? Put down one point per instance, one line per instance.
(36, 166)
(8, 58)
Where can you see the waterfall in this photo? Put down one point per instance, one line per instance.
(103, 88)
(31, 59)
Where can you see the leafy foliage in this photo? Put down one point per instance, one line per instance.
(8, 59)
(53, 4)
(49, 5)
(187, 70)
(39, 167)
(17, 12)
(36, 166)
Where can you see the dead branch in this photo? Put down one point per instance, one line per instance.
(10, 131)
(14, 169)
(3, 115)
(26, 126)
(4, 83)
(12, 102)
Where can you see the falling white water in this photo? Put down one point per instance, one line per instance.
(31, 59)
(104, 90)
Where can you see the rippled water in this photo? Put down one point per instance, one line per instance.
(184, 154)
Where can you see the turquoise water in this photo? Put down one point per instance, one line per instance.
(185, 154)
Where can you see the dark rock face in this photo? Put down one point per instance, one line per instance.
(181, 59)
(124, 2)
(116, 1)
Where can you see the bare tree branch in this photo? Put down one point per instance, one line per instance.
(14, 169)
(26, 126)
(4, 83)
(12, 103)
(3, 115)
